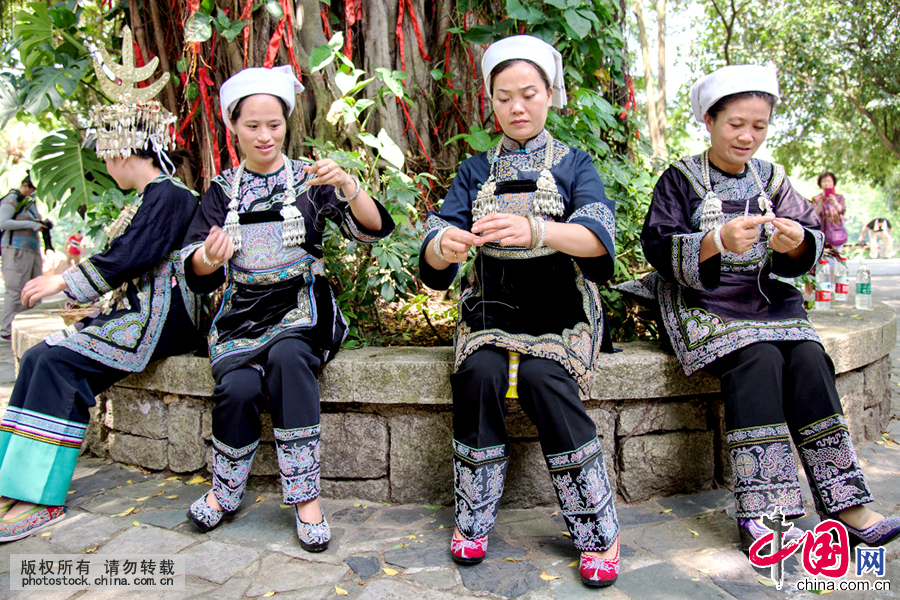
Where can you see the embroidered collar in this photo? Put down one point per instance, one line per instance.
(507, 144)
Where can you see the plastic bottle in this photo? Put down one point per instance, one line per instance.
(841, 281)
(823, 286)
(863, 287)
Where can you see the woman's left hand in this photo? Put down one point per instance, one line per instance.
(41, 287)
(503, 228)
(328, 172)
(788, 235)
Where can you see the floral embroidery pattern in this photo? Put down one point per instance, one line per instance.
(516, 159)
(42, 428)
(765, 474)
(596, 212)
(831, 466)
(585, 496)
(686, 259)
(78, 285)
(700, 337)
(231, 470)
(298, 463)
(478, 476)
(576, 349)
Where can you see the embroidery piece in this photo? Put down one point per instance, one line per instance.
(479, 474)
(585, 496)
(765, 474)
(42, 428)
(832, 466)
(231, 471)
(298, 463)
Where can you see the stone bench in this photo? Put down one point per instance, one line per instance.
(386, 416)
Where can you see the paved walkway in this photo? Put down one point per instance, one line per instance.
(677, 547)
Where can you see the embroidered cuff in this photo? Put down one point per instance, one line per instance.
(84, 283)
(352, 228)
(598, 218)
(434, 278)
(686, 264)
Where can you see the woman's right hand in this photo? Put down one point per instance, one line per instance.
(455, 245)
(741, 233)
(219, 248)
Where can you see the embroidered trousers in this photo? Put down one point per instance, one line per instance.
(549, 396)
(775, 393)
(42, 429)
(285, 381)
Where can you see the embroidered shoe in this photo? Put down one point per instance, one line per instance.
(203, 516)
(599, 572)
(879, 534)
(468, 552)
(30, 521)
(314, 537)
(751, 530)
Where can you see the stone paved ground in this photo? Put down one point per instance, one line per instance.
(677, 547)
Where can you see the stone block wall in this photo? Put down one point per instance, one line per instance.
(387, 418)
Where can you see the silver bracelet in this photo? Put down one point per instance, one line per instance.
(436, 244)
(353, 196)
(717, 239)
(543, 232)
(206, 260)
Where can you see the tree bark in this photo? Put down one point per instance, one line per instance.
(661, 75)
(652, 116)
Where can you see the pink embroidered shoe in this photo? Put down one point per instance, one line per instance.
(599, 572)
(468, 552)
(30, 521)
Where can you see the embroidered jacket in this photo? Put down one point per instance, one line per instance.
(143, 266)
(273, 291)
(538, 302)
(726, 302)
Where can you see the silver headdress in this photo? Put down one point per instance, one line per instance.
(135, 121)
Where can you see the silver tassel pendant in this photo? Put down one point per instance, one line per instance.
(233, 229)
(712, 216)
(547, 199)
(293, 229)
(484, 201)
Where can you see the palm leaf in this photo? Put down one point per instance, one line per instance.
(67, 175)
(53, 85)
(10, 101)
(35, 28)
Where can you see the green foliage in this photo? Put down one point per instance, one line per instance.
(68, 176)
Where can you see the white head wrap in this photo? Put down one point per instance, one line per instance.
(732, 79)
(530, 48)
(277, 81)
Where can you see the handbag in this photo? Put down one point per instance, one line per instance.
(835, 234)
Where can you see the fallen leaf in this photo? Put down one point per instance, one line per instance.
(136, 523)
(125, 513)
(285, 506)
(694, 532)
(880, 443)
(258, 499)
(148, 497)
(705, 570)
(511, 559)
(694, 579)
(546, 577)
(668, 510)
(419, 542)
(399, 546)
(441, 527)
(434, 507)
(553, 514)
(91, 550)
(129, 481)
(46, 534)
(411, 537)
(161, 484)
(840, 314)
(767, 582)
(197, 479)
(574, 563)
(173, 478)
(172, 497)
(365, 506)
(70, 492)
(388, 571)
(340, 591)
(566, 534)
(357, 504)
(271, 593)
(703, 517)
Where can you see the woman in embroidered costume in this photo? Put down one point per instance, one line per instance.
(279, 321)
(537, 213)
(720, 224)
(149, 317)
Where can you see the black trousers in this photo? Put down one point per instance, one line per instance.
(284, 381)
(549, 396)
(775, 393)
